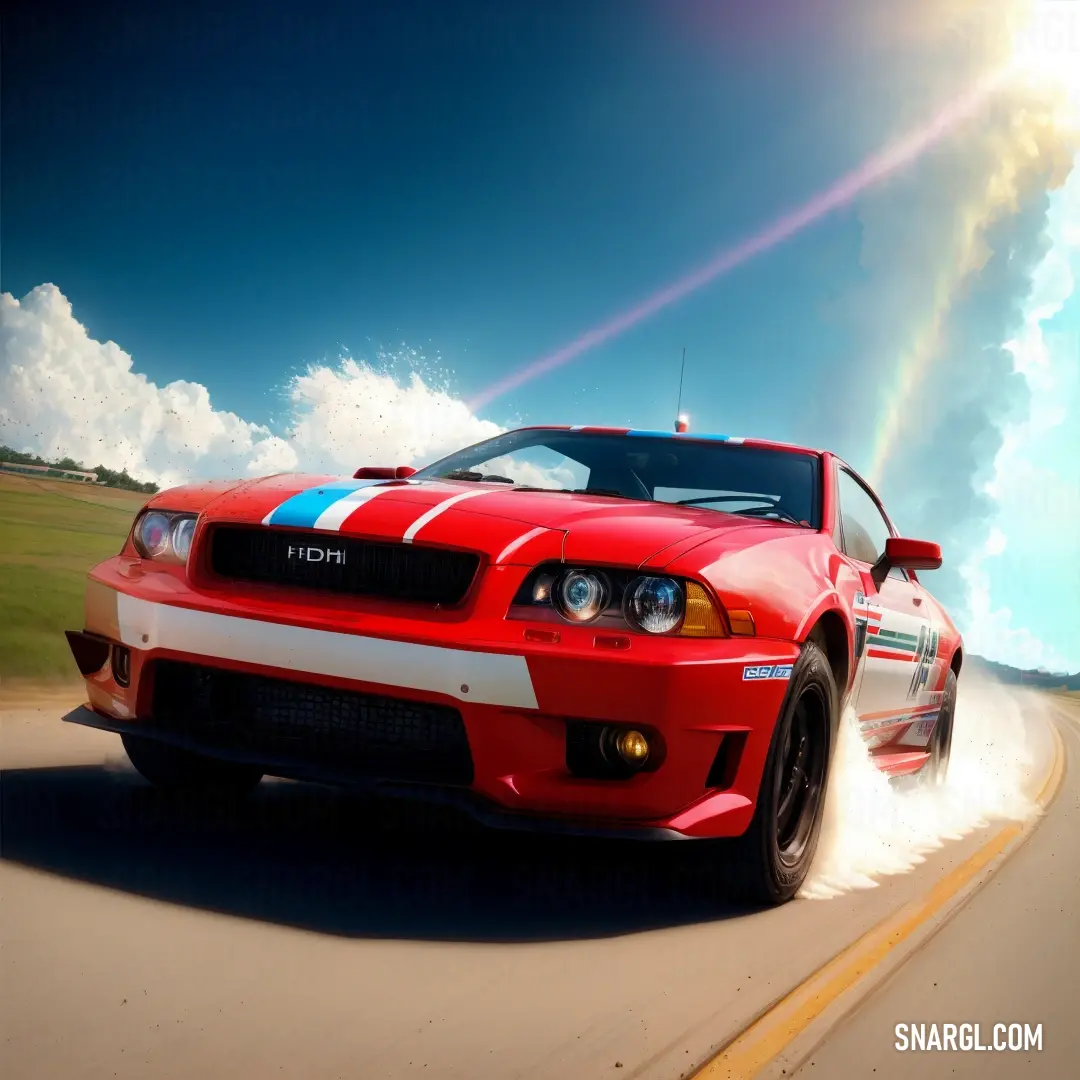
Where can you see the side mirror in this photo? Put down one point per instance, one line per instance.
(907, 555)
(912, 554)
(383, 472)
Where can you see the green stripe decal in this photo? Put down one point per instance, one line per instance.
(895, 646)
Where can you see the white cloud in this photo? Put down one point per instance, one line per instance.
(1036, 477)
(989, 630)
(351, 414)
(64, 394)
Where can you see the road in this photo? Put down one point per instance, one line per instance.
(309, 934)
(1012, 955)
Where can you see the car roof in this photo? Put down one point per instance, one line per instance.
(688, 436)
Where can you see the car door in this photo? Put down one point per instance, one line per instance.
(895, 643)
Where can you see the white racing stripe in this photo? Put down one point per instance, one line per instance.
(333, 517)
(520, 542)
(492, 678)
(435, 511)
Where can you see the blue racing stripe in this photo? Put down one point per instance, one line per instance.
(304, 509)
(680, 435)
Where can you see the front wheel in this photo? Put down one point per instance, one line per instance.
(174, 768)
(772, 858)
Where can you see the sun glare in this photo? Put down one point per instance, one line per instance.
(1047, 51)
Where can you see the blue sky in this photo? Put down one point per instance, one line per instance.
(234, 197)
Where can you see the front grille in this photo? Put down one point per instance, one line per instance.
(273, 719)
(343, 564)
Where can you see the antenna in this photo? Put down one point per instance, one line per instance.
(681, 424)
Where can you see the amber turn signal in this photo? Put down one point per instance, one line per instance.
(701, 618)
(742, 622)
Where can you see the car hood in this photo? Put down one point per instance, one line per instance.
(506, 524)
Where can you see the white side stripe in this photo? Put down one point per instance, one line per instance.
(435, 511)
(492, 678)
(521, 541)
(333, 517)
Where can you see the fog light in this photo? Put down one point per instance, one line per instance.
(632, 747)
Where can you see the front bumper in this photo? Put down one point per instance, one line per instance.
(463, 799)
(516, 698)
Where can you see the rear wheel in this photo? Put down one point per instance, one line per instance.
(173, 767)
(935, 771)
(772, 858)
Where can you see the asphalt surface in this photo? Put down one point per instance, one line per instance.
(307, 934)
(1011, 956)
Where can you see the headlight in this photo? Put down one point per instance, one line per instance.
(654, 604)
(541, 589)
(161, 534)
(580, 596)
(621, 598)
(182, 531)
(152, 535)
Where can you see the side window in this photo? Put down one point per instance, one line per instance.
(864, 529)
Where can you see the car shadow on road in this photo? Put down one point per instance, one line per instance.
(333, 862)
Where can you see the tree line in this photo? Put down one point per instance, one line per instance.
(109, 477)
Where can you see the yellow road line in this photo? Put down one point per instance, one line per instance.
(763, 1040)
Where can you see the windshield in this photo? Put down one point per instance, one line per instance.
(755, 481)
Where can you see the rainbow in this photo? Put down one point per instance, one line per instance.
(898, 404)
(870, 172)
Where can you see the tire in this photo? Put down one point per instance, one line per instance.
(174, 768)
(771, 859)
(935, 771)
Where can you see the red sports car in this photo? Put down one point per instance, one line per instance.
(577, 629)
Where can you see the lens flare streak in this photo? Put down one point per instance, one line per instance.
(872, 171)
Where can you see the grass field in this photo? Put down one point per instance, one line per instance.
(51, 533)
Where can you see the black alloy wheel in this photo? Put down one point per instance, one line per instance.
(770, 861)
(800, 783)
